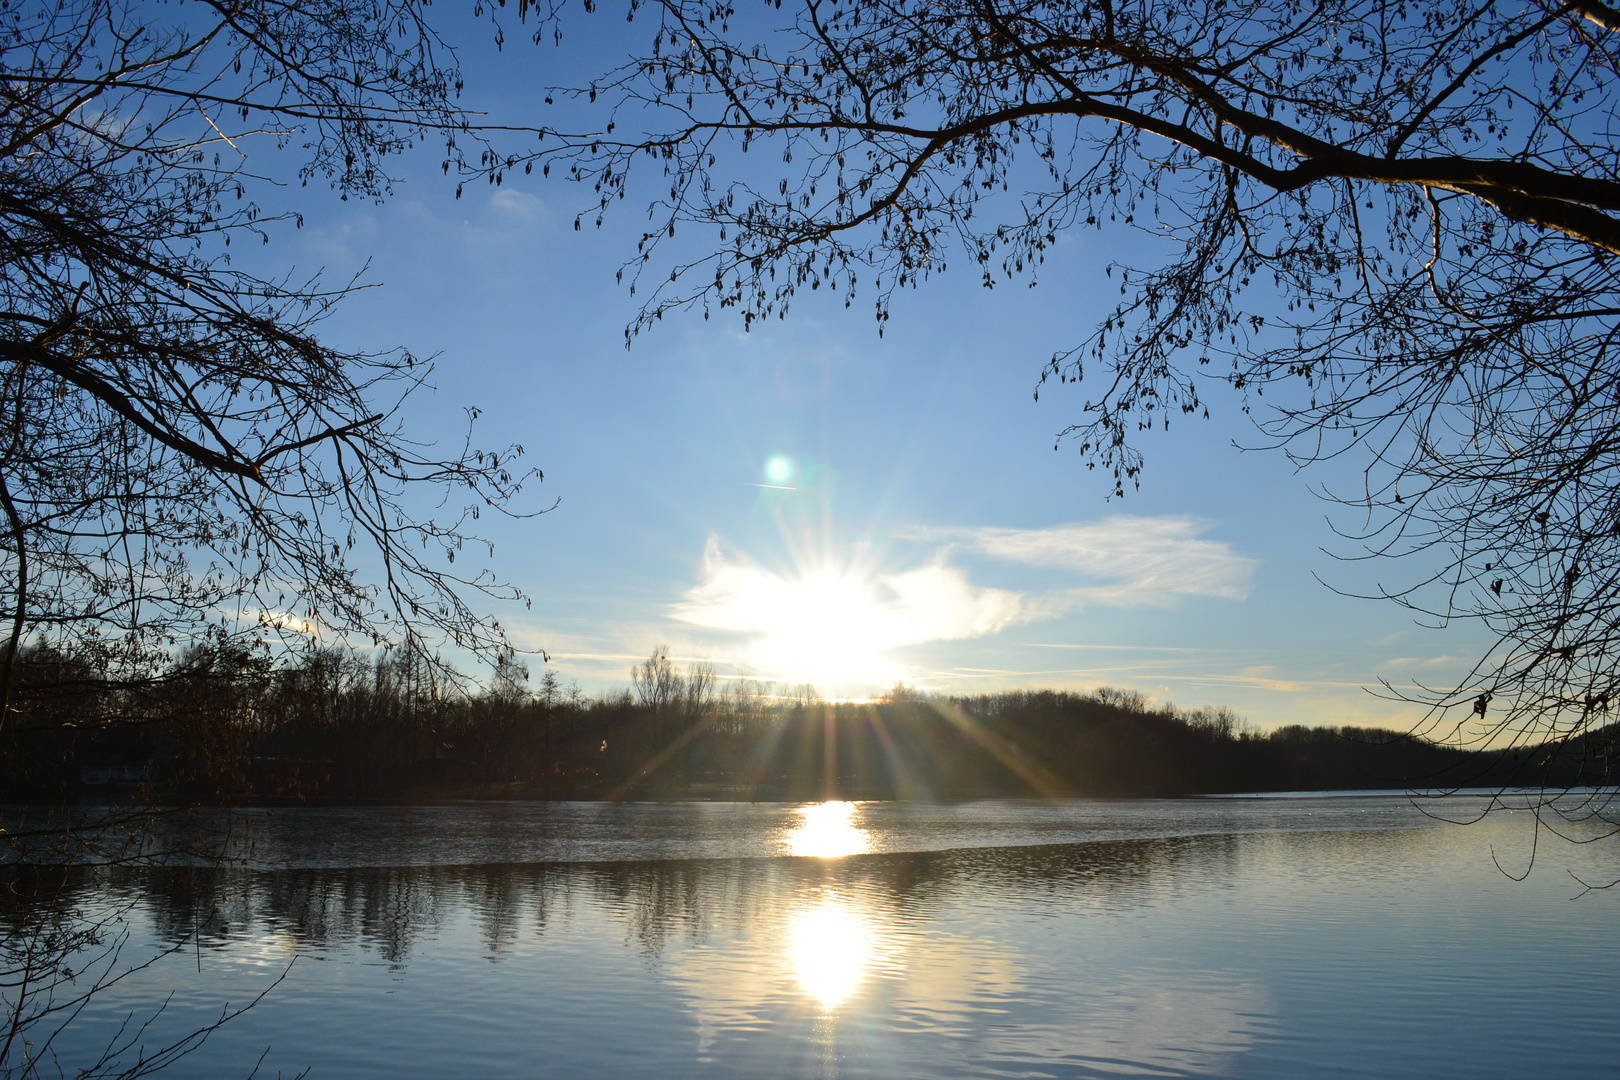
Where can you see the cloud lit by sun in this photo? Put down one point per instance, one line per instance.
(830, 623)
(833, 620)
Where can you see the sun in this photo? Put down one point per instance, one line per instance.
(828, 627)
(833, 620)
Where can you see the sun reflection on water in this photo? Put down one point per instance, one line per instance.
(827, 831)
(832, 950)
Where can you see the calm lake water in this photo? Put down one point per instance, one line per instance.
(1278, 937)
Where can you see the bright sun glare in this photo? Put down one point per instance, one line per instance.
(828, 628)
(832, 950)
(831, 621)
(827, 831)
(832, 947)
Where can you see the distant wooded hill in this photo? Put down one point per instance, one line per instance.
(343, 726)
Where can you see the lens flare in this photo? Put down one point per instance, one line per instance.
(779, 470)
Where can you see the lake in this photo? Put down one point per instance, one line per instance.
(1351, 935)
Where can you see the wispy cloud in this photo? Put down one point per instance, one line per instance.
(1129, 559)
(512, 205)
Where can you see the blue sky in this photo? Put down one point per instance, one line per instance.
(811, 502)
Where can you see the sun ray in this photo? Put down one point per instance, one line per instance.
(909, 782)
(1039, 780)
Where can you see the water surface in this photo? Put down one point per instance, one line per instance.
(1352, 936)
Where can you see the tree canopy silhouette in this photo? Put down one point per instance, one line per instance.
(1389, 230)
(182, 458)
(188, 473)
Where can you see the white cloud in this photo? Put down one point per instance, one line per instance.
(517, 205)
(1132, 559)
(938, 601)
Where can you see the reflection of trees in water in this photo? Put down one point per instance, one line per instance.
(187, 901)
(385, 908)
(389, 910)
(660, 901)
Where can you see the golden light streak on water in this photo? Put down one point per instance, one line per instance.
(832, 951)
(828, 831)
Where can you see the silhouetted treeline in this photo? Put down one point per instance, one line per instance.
(340, 725)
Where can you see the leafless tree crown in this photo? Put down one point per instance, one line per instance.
(1391, 225)
(181, 457)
